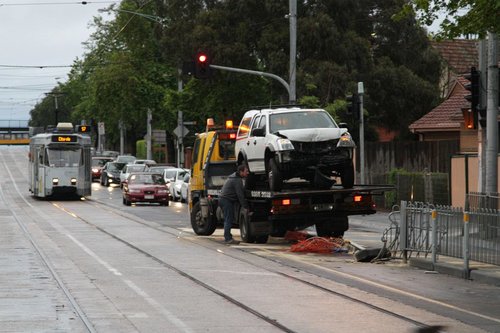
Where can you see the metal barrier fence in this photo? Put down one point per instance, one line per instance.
(482, 200)
(419, 229)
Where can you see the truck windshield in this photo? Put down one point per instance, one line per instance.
(63, 157)
(300, 120)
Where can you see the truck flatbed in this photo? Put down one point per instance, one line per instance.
(361, 189)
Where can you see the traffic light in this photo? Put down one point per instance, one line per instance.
(470, 118)
(83, 128)
(353, 105)
(202, 66)
(474, 87)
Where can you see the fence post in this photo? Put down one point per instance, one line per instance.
(403, 232)
(434, 237)
(466, 249)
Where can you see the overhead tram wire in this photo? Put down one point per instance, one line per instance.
(56, 3)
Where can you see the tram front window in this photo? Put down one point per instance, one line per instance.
(63, 157)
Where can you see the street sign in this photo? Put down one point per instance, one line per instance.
(159, 136)
(181, 131)
(100, 128)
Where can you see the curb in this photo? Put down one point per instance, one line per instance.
(488, 275)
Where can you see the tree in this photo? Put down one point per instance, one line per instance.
(461, 17)
(131, 63)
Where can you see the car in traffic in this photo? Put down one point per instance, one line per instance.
(185, 187)
(159, 168)
(173, 178)
(126, 159)
(145, 187)
(129, 168)
(146, 162)
(284, 143)
(98, 163)
(111, 173)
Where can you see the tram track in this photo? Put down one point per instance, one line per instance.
(47, 263)
(249, 262)
(60, 205)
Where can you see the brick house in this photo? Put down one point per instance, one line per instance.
(446, 121)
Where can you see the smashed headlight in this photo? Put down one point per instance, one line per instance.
(346, 141)
(284, 144)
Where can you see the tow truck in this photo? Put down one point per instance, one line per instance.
(271, 213)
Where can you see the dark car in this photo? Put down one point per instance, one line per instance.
(145, 187)
(111, 173)
(98, 163)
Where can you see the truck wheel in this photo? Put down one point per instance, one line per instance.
(201, 226)
(245, 233)
(275, 176)
(347, 176)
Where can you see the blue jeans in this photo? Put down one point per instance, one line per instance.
(228, 210)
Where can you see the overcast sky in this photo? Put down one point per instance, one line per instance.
(39, 33)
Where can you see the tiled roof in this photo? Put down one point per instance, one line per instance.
(459, 54)
(446, 116)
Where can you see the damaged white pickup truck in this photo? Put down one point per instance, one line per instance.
(286, 143)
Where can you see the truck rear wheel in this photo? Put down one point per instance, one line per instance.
(246, 232)
(201, 226)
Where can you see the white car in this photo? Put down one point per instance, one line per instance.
(173, 178)
(147, 162)
(185, 187)
(126, 159)
(127, 169)
(285, 143)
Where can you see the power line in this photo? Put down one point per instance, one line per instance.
(56, 3)
(35, 66)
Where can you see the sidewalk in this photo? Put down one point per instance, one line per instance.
(479, 272)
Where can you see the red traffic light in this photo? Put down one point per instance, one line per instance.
(202, 66)
(202, 58)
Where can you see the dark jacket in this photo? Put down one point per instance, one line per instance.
(233, 189)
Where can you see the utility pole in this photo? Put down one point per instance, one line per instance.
(122, 136)
(293, 50)
(56, 105)
(492, 117)
(361, 92)
(149, 154)
(180, 149)
(483, 59)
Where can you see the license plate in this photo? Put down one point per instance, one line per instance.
(149, 196)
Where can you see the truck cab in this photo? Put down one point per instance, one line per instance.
(213, 161)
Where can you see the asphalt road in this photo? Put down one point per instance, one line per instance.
(98, 265)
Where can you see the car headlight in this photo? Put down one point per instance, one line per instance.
(346, 141)
(284, 144)
(95, 170)
(134, 191)
(162, 191)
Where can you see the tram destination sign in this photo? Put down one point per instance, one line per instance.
(64, 138)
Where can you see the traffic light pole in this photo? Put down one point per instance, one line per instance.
(247, 71)
(492, 117)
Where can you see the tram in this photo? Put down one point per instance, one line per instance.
(60, 162)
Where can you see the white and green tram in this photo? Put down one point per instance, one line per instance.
(60, 163)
